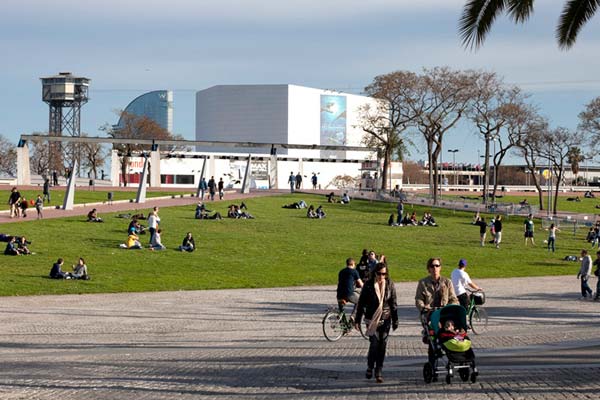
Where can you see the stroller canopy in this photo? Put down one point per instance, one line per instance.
(454, 312)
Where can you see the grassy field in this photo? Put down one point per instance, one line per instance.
(280, 247)
(585, 206)
(82, 196)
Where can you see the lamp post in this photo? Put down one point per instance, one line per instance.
(453, 151)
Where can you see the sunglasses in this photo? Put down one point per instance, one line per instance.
(381, 273)
(435, 265)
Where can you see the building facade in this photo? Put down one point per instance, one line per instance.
(156, 105)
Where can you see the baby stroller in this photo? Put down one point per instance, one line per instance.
(446, 337)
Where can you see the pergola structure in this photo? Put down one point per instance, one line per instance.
(152, 157)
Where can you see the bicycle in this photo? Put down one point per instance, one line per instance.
(336, 324)
(476, 314)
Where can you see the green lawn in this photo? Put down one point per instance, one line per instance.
(280, 247)
(584, 206)
(83, 195)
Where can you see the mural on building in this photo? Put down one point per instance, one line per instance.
(333, 122)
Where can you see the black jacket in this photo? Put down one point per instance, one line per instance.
(368, 302)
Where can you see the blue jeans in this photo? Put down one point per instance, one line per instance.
(551, 244)
(585, 288)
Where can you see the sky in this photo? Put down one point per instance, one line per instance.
(128, 47)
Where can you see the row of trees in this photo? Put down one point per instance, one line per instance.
(430, 105)
(91, 156)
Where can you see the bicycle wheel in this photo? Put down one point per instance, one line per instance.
(478, 320)
(333, 327)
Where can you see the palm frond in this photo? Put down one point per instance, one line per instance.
(574, 15)
(520, 10)
(476, 20)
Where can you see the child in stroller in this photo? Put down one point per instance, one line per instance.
(447, 337)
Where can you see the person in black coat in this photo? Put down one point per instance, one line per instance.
(377, 303)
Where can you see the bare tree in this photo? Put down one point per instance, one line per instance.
(443, 99)
(385, 123)
(39, 156)
(589, 120)
(528, 130)
(134, 127)
(94, 155)
(8, 157)
(556, 146)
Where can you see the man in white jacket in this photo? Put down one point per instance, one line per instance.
(584, 274)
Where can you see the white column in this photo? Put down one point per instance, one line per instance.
(23, 171)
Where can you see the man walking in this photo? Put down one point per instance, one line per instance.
(203, 187)
(292, 181)
(46, 190)
(584, 274)
(298, 181)
(498, 231)
(211, 187)
(221, 187)
(314, 181)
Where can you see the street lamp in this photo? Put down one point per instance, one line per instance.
(453, 151)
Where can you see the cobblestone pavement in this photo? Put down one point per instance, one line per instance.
(543, 343)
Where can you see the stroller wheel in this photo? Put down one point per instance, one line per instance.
(448, 379)
(427, 373)
(474, 375)
(464, 374)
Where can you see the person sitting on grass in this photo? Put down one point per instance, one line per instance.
(56, 271)
(391, 221)
(413, 219)
(80, 270)
(320, 212)
(330, 197)
(200, 209)
(345, 199)
(188, 243)
(133, 242)
(22, 245)
(310, 213)
(93, 216)
(137, 228)
(156, 243)
(12, 247)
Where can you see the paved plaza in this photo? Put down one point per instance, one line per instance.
(543, 343)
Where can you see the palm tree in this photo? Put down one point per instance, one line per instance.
(479, 15)
(574, 157)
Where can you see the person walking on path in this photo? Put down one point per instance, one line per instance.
(221, 187)
(529, 227)
(46, 191)
(298, 181)
(203, 187)
(13, 202)
(314, 181)
(212, 187)
(552, 236)
(292, 181)
(377, 303)
(39, 207)
(461, 280)
(482, 230)
(597, 274)
(584, 274)
(400, 209)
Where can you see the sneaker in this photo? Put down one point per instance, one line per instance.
(378, 376)
(369, 373)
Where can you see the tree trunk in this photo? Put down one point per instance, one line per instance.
(386, 164)
(124, 163)
(431, 180)
(556, 189)
(486, 170)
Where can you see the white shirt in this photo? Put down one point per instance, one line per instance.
(153, 221)
(460, 280)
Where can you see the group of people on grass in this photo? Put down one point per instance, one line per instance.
(19, 204)
(376, 303)
(16, 245)
(412, 220)
(79, 270)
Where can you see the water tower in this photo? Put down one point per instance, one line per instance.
(65, 94)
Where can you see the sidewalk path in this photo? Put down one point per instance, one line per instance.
(268, 344)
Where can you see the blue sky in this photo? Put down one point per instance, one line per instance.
(128, 47)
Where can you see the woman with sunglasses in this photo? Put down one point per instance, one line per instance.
(434, 291)
(377, 303)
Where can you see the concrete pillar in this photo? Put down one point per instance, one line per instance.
(115, 168)
(70, 194)
(155, 168)
(23, 171)
(273, 172)
(141, 193)
(198, 190)
(247, 176)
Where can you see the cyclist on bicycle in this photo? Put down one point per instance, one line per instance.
(348, 283)
(461, 280)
